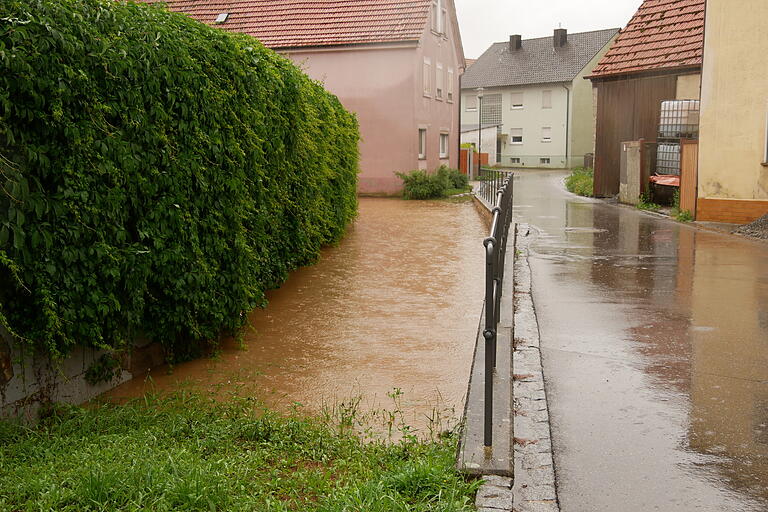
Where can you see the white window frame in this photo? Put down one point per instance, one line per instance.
(514, 160)
(467, 106)
(542, 161)
(515, 105)
(546, 99)
(422, 143)
(427, 77)
(512, 137)
(444, 143)
(450, 85)
(439, 81)
(765, 156)
(546, 134)
(443, 19)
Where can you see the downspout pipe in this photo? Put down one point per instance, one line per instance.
(567, 127)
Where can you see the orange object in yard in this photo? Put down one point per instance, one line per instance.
(669, 180)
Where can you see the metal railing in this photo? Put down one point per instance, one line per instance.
(495, 257)
(491, 180)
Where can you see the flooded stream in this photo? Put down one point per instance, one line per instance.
(395, 306)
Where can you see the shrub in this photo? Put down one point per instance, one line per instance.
(420, 184)
(581, 182)
(157, 175)
(455, 178)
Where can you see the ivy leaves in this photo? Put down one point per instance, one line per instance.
(156, 175)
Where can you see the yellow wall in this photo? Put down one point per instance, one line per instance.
(734, 96)
(688, 87)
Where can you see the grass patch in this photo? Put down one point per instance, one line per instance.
(191, 453)
(678, 214)
(456, 191)
(581, 182)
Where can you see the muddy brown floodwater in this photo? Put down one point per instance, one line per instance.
(395, 306)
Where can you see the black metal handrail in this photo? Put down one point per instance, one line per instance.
(495, 257)
(491, 180)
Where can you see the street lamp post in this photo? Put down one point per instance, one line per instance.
(479, 130)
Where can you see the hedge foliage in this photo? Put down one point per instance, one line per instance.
(158, 175)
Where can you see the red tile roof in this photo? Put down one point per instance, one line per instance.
(662, 35)
(298, 23)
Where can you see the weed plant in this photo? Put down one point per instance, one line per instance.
(581, 182)
(647, 204)
(190, 453)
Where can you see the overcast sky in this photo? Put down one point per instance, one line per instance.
(484, 22)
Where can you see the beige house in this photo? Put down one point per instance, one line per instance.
(536, 91)
(395, 63)
(733, 139)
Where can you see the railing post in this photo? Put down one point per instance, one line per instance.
(489, 334)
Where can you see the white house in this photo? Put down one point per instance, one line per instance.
(536, 91)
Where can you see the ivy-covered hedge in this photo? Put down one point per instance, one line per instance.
(158, 175)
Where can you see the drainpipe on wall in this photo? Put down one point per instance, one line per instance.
(567, 126)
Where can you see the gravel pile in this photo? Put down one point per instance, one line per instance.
(757, 229)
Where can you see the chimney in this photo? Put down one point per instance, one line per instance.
(561, 37)
(515, 43)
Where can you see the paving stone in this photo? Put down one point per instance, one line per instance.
(536, 506)
(497, 481)
(494, 497)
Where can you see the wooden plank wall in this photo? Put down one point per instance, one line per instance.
(626, 110)
(689, 172)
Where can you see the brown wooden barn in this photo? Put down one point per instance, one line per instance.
(657, 57)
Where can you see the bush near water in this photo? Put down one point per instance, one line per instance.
(157, 175)
(443, 182)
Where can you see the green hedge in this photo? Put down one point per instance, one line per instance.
(158, 175)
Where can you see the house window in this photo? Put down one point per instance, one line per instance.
(517, 135)
(439, 15)
(546, 134)
(439, 80)
(427, 78)
(515, 160)
(422, 143)
(544, 161)
(443, 20)
(443, 145)
(546, 99)
(517, 100)
(450, 85)
(471, 103)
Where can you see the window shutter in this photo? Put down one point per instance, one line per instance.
(427, 77)
(440, 79)
(517, 100)
(450, 84)
(546, 99)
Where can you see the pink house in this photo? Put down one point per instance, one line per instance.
(395, 63)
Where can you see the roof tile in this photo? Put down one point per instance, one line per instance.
(537, 62)
(663, 34)
(301, 23)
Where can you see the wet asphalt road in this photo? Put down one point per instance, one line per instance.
(655, 348)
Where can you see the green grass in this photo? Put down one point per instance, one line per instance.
(581, 182)
(456, 191)
(190, 453)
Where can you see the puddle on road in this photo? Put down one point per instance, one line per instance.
(395, 306)
(655, 345)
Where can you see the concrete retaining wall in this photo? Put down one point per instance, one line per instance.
(27, 380)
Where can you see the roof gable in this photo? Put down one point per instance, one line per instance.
(537, 62)
(300, 23)
(662, 35)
